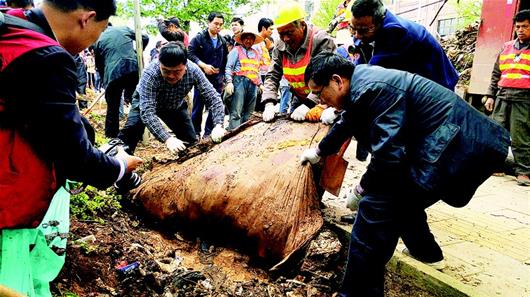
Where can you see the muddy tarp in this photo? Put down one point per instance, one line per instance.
(251, 183)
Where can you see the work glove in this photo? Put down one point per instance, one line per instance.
(175, 145)
(217, 133)
(310, 155)
(299, 113)
(229, 89)
(329, 115)
(313, 115)
(354, 197)
(269, 112)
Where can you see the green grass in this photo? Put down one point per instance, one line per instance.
(93, 204)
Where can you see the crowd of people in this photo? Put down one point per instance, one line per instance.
(386, 82)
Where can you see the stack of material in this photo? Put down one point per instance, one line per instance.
(460, 49)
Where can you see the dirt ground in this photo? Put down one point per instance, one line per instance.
(131, 254)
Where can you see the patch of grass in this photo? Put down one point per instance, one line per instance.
(93, 204)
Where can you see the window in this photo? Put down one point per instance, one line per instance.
(447, 26)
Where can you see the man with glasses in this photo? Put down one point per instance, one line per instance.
(427, 145)
(160, 94)
(509, 94)
(298, 42)
(401, 44)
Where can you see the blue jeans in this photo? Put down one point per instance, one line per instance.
(285, 98)
(243, 101)
(382, 218)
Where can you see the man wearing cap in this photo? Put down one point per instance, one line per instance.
(242, 77)
(171, 31)
(298, 43)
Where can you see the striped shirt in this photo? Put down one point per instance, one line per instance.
(157, 94)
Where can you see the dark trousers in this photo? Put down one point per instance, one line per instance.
(124, 85)
(515, 117)
(198, 108)
(381, 219)
(260, 106)
(178, 121)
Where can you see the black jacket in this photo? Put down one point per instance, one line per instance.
(418, 131)
(39, 90)
(201, 49)
(115, 53)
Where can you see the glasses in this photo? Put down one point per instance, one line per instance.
(318, 93)
(363, 30)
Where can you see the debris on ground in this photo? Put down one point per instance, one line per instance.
(460, 48)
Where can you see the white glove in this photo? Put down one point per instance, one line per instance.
(269, 112)
(217, 133)
(299, 113)
(328, 116)
(229, 89)
(310, 155)
(354, 197)
(175, 145)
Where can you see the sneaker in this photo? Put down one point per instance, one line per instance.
(523, 180)
(438, 265)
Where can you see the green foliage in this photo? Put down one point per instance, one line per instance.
(187, 10)
(469, 11)
(325, 13)
(92, 203)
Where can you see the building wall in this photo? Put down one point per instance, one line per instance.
(424, 11)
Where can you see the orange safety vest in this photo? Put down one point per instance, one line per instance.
(249, 66)
(515, 67)
(265, 58)
(294, 72)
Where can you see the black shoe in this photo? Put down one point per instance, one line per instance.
(349, 218)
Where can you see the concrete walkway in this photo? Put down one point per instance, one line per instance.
(486, 244)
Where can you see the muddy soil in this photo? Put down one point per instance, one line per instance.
(131, 254)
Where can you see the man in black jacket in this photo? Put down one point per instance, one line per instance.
(208, 50)
(118, 65)
(45, 116)
(427, 144)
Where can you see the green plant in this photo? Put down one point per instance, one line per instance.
(92, 203)
(188, 10)
(325, 13)
(469, 11)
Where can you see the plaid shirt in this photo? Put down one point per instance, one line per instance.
(157, 94)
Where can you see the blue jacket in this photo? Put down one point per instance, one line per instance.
(201, 49)
(417, 132)
(404, 45)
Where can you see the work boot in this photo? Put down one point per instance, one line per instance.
(523, 180)
(438, 265)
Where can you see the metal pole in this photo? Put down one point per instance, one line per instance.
(139, 51)
(138, 33)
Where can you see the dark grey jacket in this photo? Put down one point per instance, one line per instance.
(115, 53)
(418, 131)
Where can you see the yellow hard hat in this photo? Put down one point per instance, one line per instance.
(289, 12)
(348, 14)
